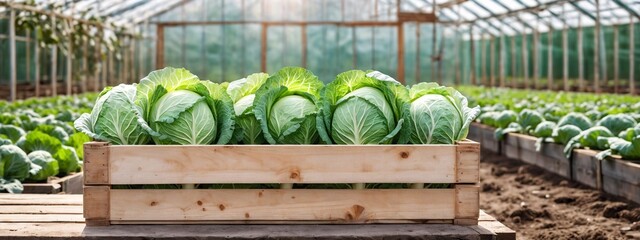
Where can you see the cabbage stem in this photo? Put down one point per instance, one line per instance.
(358, 186)
(417, 185)
(286, 186)
(188, 186)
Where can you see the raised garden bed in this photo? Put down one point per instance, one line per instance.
(108, 165)
(70, 184)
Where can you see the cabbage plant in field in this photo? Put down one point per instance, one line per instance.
(181, 109)
(115, 118)
(438, 114)
(285, 107)
(361, 109)
(242, 92)
(15, 167)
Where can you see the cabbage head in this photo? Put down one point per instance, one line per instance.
(285, 106)
(439, 115)
(361, 109)
(506, 117)
(576, 119)
(617, 123)
(595, 138)
(544, 129)
(242, 92)
(627, 149)
(14, 168)
(562, 134)
(48, 165)
(529, 120)
(115, 118)
(183, 110)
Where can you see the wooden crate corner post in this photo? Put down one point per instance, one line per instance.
(467, 209)
(467, 162)
(96, 163)
(96, 206)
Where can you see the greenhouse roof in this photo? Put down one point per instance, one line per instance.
(495, 17)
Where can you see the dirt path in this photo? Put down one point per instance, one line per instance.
(541, 205)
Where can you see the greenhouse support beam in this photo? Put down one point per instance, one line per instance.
(628, 9)
(400, 74)
(85, 66)
(539, 7)
(536, 55)
(36, 54)
(616, 61)
(483, 60)
(417, 64)
(525, 61)
(580, 57)
(472, 54)
(585, 12)
(54, 65)
(596, 58)
(550, 60)
(565, 56)
(12, 55)
(632, 83)
(503, 56)
(492, 52)
(450, 3)
(513, 62)
(263, 48)
(160, 46)
(69, 66)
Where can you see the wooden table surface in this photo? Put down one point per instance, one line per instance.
(33, 216)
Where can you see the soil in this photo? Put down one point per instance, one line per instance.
(541, 205)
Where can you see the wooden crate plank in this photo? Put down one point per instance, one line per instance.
(39, 199)
(41, 188)
(468, 162)
(501, 231)
(255, 164)
(72, 184)
(40, 209)
(586, 168)
(96, 200)
(466, 204)
(96, 163)
(78, 230)
(41, 218)
(286, 204)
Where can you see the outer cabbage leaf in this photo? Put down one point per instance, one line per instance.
(181, 109)
(361, 109)
(439, 115)
(529, 120)
(242, 92)
(48, 166)
(77, 141)
(54, 131)
(593, 138)
(544, 129)
(563, 134)
(628, 150)
(115, 118)
(617, 123)
(505, 118)
(15, 163)
(576, 119)
(296, 86)
(12, 133)
(68, 160)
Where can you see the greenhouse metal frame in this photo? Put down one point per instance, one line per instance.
(447, 41)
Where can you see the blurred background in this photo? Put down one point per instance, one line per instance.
(54, 47)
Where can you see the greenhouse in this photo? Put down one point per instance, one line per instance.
(306, 119)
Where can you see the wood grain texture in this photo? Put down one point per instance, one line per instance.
(69, 184)
(488, 141)
(41, 218)
(585, 168)
(621, 178)
(552, 159)
(466, 204)
(96, 163)
(468, 162)
(96, 206)
(38, 199)
(41, 209)
(286, 204)
(285, 164)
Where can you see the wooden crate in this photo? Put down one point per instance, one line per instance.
(71, 184)
(106, 165)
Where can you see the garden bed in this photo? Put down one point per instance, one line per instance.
(109, 165)
(70, 184)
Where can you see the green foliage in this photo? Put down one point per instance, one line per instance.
(242, 92)
(48, 166)
(617, 123)
(285, 106)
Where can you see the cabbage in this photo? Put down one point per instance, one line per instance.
(562, 134)
(544, 129)
(115, 118)
(628, 150)
(242, 92)
(183, 110)
(438, 114)
(285, 107)
(593, 138)
(361, 109)
(48, 165)
(617, 123)
(576, 119)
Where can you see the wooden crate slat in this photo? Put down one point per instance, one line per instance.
(275, 204)
(41, 209)
(38, 199)
(41, 218)
(281, 164)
